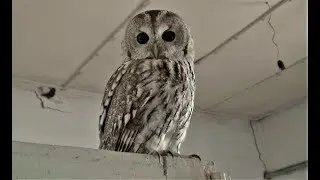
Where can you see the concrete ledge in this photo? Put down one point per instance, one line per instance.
(38, 161)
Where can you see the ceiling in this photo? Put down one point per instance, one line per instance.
(50, 38)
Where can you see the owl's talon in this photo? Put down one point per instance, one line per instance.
(169, 152)
(160, 154)
(173, 154)
(195, 156)
(155, 153)
(165, 153)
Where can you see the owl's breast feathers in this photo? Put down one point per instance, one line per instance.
(145, 99)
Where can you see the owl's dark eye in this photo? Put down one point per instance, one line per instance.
(142, 38)
(168, 36)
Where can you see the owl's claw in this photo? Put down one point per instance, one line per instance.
(195, 156)
(169, 152)
(160, 154)
(156, 153)
(165, 153)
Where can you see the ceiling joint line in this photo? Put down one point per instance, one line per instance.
(242, 31)
(286, 106)
(221, 114)
(264, 117)
(110, 37)
(258, 83)
(256, 146)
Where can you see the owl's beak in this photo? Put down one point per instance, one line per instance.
(155, 51)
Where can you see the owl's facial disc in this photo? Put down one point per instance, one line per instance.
(156, 34)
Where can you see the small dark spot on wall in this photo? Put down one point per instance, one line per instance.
(76, 157)
(281, 65)
(50, 94)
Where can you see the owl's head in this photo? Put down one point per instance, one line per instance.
(157, 34)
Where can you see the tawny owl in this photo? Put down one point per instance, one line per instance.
(148, 101)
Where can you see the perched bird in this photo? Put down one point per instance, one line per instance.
(149, 100)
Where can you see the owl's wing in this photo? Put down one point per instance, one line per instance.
(109, 94)
(142, 93)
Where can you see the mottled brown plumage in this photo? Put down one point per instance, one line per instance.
(149, 100)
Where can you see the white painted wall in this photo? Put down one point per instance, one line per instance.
(228, 143)
(283, 139)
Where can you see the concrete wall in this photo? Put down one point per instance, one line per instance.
(228, 143)
(41, 161)
(283, 139)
